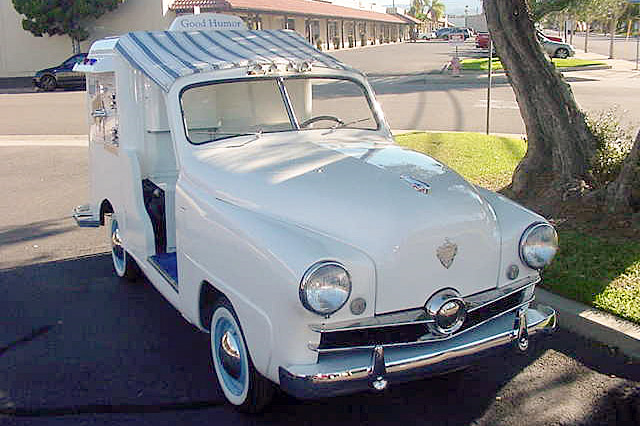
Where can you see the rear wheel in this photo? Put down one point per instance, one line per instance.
(241, 383)
(48, 83)
(123, 264)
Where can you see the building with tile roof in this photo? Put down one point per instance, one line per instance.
(326, 25)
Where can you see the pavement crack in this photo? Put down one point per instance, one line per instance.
(26, 339)
(107, 409)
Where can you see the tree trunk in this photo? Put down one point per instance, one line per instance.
(586, 36)
(573, 30)
(623, 194)
(560, 145)
(75, 45)
(612, 30)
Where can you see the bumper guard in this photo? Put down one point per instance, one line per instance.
(339, 374)
(84, 217)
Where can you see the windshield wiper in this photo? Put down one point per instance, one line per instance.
(342, 125)
(226, 135)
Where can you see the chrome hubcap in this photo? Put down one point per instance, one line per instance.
(117, 250)
(230, 355)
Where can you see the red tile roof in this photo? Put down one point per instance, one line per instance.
(409, 19)
(292, 7)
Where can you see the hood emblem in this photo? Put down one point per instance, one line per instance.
(416, 184)
(446, 253)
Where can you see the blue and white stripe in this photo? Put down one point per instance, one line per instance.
(165, 56)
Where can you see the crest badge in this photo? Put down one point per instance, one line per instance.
(446, 253)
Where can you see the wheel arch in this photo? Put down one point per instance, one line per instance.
(208, 297)
(105, 208)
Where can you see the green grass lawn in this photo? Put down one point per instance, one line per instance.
(600, 272)
(482, 64)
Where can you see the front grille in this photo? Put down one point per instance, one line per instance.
(411, 333)
(373, 336)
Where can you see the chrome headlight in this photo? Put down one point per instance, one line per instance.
(538, 245)
(325, 288)
(448, 311)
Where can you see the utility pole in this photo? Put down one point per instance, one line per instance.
(466, 16)
(489, 84)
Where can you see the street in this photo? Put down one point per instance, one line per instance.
(407, 81)
(79, 346)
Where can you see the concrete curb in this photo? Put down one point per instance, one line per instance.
(44, 140)
(594, 324)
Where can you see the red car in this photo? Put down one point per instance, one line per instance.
(482, 40)
(540, 33)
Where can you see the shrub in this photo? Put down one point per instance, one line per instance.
(614, 143)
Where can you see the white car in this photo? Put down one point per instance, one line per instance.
(254, 181)
(427, 36)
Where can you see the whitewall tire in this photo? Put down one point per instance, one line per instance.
(241, 384)
(123, 264)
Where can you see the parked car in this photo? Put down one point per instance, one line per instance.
(454, 30)
(482, 40)
(427, 36)
(262, 194)
(552, 38)
(555, 49)
(441, 32)
(50, 79)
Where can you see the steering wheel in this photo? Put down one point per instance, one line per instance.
(312, 120)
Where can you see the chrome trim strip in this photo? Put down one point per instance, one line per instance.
(354, 373)
(419, 315)
(413, 316)
(424, 340)
(480, 300)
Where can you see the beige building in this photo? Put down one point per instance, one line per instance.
(326, 25)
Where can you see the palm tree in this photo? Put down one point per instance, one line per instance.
(417, 6)
(435, 7)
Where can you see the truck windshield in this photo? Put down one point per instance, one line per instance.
(222, 110)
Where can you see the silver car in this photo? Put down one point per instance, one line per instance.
(555, 49)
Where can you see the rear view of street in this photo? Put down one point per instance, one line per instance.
(83, 347)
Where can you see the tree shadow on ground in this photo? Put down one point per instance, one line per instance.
(35, 230)
(113, 348)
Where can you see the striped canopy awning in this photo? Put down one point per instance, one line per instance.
(165, 56)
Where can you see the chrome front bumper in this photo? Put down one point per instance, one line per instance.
(344, 373)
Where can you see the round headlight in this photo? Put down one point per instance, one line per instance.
(325, 288)
(538, 245)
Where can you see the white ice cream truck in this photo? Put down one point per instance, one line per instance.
(254, 181)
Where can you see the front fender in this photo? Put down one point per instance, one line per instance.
(257, 261)
(513, 220)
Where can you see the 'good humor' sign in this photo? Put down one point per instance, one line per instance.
(207, 22)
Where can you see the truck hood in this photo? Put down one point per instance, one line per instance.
(422, 224)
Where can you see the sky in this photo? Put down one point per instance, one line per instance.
(454, 7)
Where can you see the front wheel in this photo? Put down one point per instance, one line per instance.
(123, 264)
(241, 384)
(562, 53)
(48, 83)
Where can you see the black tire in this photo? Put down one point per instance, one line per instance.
(48, 83)
(562, 53)
(242, 385)
(124, 265)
